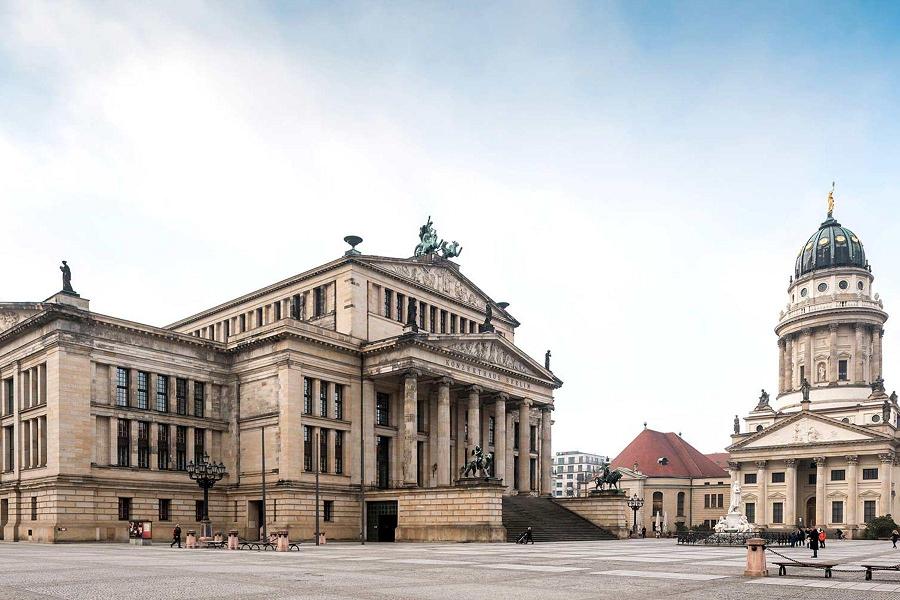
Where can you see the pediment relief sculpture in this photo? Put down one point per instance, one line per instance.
(439, 279)
(807, 431)
(491, 352)
(8, 319)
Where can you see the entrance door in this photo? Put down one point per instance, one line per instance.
(254, 518)
(811, 511)
(381, 521)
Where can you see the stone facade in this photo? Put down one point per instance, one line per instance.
(323, 371)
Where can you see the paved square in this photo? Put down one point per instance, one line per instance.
(623, 569)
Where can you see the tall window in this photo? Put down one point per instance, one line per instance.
(276, 309)
(307, 449)
(490, 431)
(679, 504)
(323, 398)
(181, 396)
(382, 409)
(657, 503)
(802, 375)
(339, 452)
(516, 437)
(323, 450)
(319, 301)
(750, 511)
(164, 506)
(259, 317)
(338, 401)
(34, 503)
(226, 328)
(123, 442)
(842, 370)
(143, 444)
(388, 302)
(243, 321)
(443, 321)
(401, 301)
(199, 513)
(868, 511)
(432, 319)
(382, 461)
(143, 382)
(421, 315)
(532, 438)
(328, 510)
(296, 304)
(162, 447)
(180, 447)
(778, 512)
(452, 323)
(837, 511)
(199, 444)
(9, 442)
(121, 387)
(199, 398)
(162, 393)
(124, 509)
(307, 396)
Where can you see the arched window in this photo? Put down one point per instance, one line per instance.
(657, 503)
(680, 504)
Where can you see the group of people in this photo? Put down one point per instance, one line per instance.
(814, 538)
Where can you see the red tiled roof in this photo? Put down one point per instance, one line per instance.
(683, 459)
(720, 458)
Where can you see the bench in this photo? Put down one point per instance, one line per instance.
(870, 568)
(782, 566)
(214, 544)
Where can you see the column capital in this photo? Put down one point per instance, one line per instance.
(502, 397)
(526, 402)
(807, 331)
(887, 458)
(782, 342)
(734, 465)
(833, 327)
(474, 389)
(820, 461)
(445, 381)
(761, 464)
(547, 408)
(412, 374)
(790, 462)
(852, 459)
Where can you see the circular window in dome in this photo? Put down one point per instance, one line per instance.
(823, 241)
(845, 420)
(859, 285)
(840, 239)
(843, 285)
(759, 427)
(876, 418)
(803, 293)
(822, 287)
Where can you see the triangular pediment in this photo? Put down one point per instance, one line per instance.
(491, 349)
(806, 429)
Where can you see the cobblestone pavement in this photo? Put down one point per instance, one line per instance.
(615, 569)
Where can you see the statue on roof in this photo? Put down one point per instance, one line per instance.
(878, 385)
(737, 425)
(831, 200)
(804, 388)
(763, 400)
(430, 244)
(67, 278)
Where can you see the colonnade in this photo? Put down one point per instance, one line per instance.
(864, 362)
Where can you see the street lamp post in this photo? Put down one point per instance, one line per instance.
(635, 504)
(206, 474)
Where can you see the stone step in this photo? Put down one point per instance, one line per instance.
(549, 521)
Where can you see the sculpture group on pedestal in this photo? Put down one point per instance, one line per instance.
(480, 463)
(734, 521)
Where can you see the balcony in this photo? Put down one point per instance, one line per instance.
(817, 305)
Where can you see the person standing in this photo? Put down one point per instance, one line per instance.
(643, 532)
(176, 536)
(814, 542)
(822, 537)
(895, 535)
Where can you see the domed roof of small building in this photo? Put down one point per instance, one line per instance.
(832, 245)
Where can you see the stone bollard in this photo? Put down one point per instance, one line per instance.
(218, 537)
(191, 540)
(756, 558)
(321, 538)
(233, 539)
(283, 544)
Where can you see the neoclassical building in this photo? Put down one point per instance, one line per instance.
(824, 451)
(380, 373)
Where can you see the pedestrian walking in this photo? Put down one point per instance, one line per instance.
(176, 536)
(895, 535)
(527, 536)
(822, 537)
(643, 532)
(814, 542)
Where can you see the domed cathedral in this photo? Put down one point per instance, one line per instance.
(823, 452)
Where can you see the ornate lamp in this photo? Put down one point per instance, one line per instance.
(635, 504)
(206, 474)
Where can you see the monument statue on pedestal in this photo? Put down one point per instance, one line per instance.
(67, 278)
(734, 521)
(480, 463)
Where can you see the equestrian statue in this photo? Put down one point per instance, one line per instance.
(607, 477)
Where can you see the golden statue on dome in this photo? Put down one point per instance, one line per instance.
(831, 200)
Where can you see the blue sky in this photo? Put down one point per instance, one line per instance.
(635, 178)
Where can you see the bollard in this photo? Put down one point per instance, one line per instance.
(321, 538)
(283, 544)
(218, 537)
(233, 539)
(191, 540)
(756, 558)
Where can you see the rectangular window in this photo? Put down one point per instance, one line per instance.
(124, 443)
(452, 323)
(421, 315)
(749, 478)
(532, 439)
(9, 438)
(443, 321)
(383, 461)
(143, 384)
(199, 444)
(837, 511)
(721, 501)
(516, 436)
(199, 398)
(490, 431)
(319, 301)
(401, 302)
(307, 449)
(388, 302)
(164, 505)
(143, 444)
(323, 399)
(462, 325)
(328, 510)
(259, 317)
(868, 511)
(382, 409)
(812, 479)
(124, 509)
(121, 387)
(750, 511)
(778, 477)
(778, 512)
(842, 370)
(226, 328)
(870, 474)
(296, 306)
(277, 310)
(34, 503)
(339, 452)
(243, 322)
(162, 393)
(162, 447)
(707, 500)
(802, 372)
(199, 513)
(323, 450)
(307, 396)
(180, 447)
(838, 475)
(432, 319)
(181, 396)
(338, 401)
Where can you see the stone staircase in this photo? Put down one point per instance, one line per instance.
(550, 521)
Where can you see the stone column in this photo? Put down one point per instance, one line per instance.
(820, 491)
(762, 484)
(790, 502)
(473, 418)
(409, 467)
(154, 446)
(368, 432)
(877, 358)
(546, 457)
(113, 441)
(524, 446)
(859, 375)
(332, 458)
(887, 475)
(510, 476)
(460, 411)
(808, 356)
(134, 442)
(500, 436)
(443, 432)
(289, 399)
(782, 379)
(852, 491)
(832, 353)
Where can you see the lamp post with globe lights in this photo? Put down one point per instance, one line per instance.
(206, 474)
(635, 504)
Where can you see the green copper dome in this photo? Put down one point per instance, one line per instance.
(831, 246)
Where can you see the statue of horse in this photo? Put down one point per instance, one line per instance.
(481, 462)
(607, 477)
